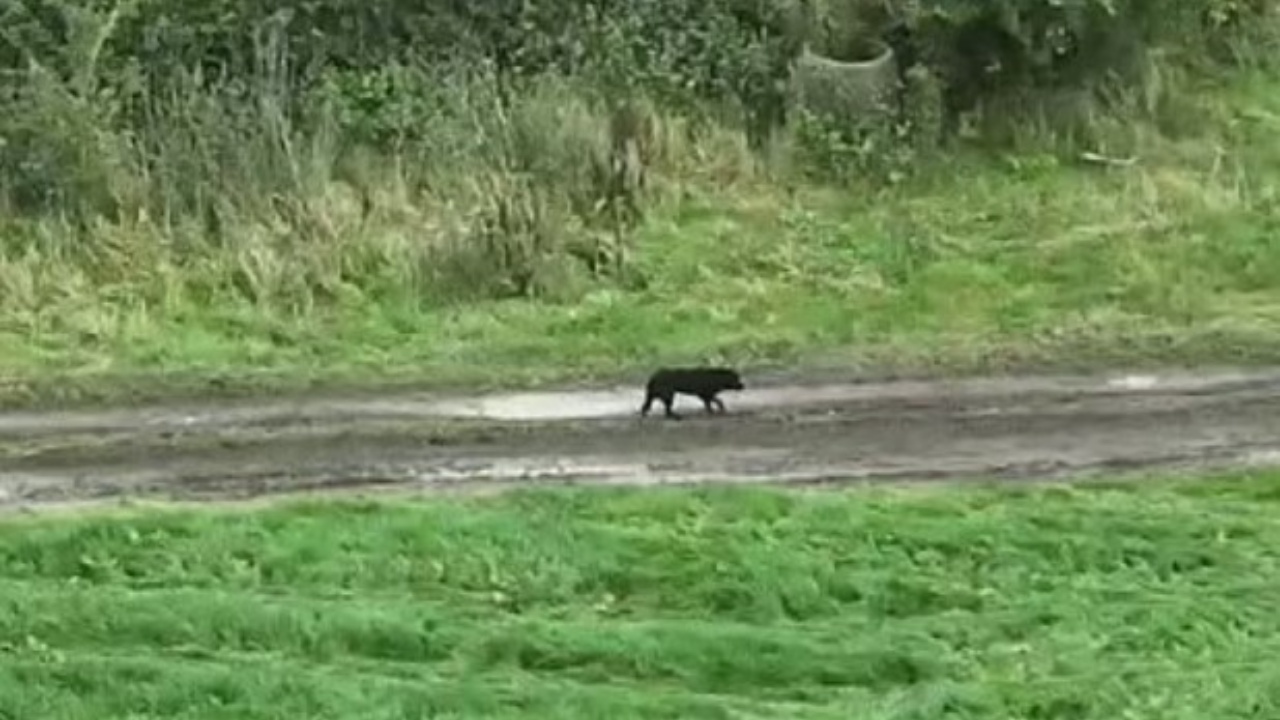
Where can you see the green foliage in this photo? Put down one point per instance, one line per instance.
(277, 165)
(837, 153)
(680, 49)
(1146, 601)
(367, 57)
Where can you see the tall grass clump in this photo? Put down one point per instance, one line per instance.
(256, 192)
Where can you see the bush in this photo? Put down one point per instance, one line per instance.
(517, 137)
(682, 52)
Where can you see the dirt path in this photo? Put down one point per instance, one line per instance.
(1014, 428)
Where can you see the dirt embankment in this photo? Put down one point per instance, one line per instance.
(1015, 428)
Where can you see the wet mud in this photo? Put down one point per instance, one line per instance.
(1015, 429)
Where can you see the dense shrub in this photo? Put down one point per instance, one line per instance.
(524, 125)
(680, 51)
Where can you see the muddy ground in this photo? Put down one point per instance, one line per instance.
(1009, 428)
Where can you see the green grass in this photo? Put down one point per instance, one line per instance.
(1094, 602)
(982, 262)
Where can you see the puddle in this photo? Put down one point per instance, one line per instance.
(1135, 382)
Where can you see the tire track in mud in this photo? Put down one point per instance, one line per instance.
(1019, 428)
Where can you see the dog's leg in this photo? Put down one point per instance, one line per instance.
(709, 402)
(669, 402)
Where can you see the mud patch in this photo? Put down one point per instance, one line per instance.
(1010, 428)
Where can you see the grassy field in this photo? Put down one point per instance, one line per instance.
(1096, 602)
(983, 261)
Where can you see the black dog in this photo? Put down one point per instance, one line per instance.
(705, 383)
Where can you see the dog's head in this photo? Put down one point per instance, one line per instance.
(733, 381)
